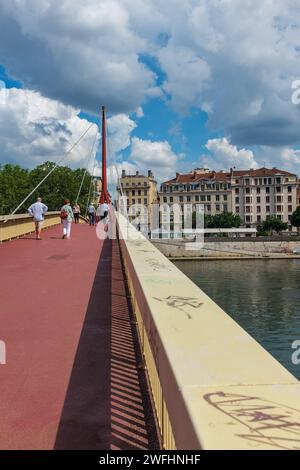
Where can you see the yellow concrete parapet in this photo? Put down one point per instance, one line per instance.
(213, 385)
(21, 224)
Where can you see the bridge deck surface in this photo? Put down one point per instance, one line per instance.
(71, 380)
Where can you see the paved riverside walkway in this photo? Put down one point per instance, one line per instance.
(71, 380)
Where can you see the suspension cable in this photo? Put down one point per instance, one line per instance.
(114, 164)
(51, 171)
(89, 159)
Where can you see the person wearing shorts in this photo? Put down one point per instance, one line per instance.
(38, 211)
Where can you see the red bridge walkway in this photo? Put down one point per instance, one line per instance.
(72, 379)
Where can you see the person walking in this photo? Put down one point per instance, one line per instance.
(103, 211)
(76, 213)
(91, 212)
(38, 211)
(67, 218)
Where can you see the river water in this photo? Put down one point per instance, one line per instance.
(263, 296)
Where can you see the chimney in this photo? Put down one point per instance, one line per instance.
(231, 172)
(150, 175)
(123, 173)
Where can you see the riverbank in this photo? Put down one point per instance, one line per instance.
(230, 248)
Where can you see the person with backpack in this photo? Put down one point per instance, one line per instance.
(67, 217)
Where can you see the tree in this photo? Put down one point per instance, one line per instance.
(295, 219)
(16, 183)
(14, 187)
(273, 223)
(223, 220)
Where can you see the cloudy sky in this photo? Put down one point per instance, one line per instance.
(186, 83)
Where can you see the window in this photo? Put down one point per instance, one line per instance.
(180, 198)
(188, 198)
(278, 189)
(258, 200)
(208, 207)
(217, 207)
(290, 208)
(197, 198)
(237, 190)
(165, 199)
(139, 192)
(248, 218)
(139, 201)
(247, 209)
(171, 199)
(247, 181)
(247, 190)
(237, 181)
(145, 201)
(237, 200)
(217, 197)
(208, 198)
(202, 198)
(133, 192)
(267, 190)
(269, 180)
(267, 198)
(145, 193)
(237, 209)
(258, 191)
(289, 198)
(258, 209)
(225, 197)
(225, 208)
(267, 208)
(278, 208)
(248, 200)
(289, 189)
(278, 199)
(278, 180)
(258, 218)
(132, 201)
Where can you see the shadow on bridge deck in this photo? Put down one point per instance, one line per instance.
(72, 379)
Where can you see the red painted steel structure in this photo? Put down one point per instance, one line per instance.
(104, 193)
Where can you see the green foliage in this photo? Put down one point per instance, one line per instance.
(273, 223)
(295, 220)
(16, 183)
(223, 220)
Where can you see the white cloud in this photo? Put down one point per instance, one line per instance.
(155, 155)
(119, 128)
(34, 129)
(81, 52)
(224, 155)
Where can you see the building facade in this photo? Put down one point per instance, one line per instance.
(140, 191)
(252, 194)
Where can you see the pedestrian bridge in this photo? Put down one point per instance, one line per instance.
(109, 346)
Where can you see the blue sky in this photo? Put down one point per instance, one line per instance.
(186, 84)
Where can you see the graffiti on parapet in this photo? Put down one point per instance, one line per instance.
(157, 265)
(259, 421)
(181, 303)
(2, 353)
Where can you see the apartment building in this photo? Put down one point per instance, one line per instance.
(140, 190)
(253, 194)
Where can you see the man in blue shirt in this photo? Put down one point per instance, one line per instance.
(92, 214)
(38, 211)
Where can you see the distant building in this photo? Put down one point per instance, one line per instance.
(140, 190)
(253, 194)
(96, 188)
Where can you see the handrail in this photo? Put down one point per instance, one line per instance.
(210, 380)
(17, 225)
